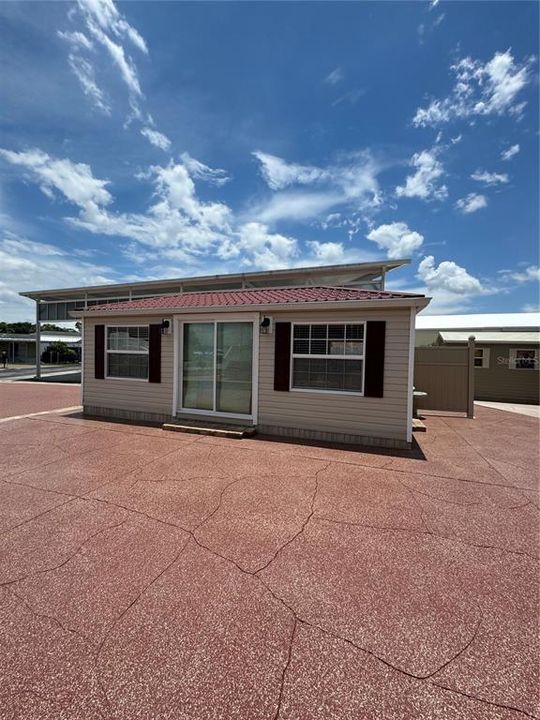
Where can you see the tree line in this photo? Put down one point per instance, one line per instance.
(27, 328)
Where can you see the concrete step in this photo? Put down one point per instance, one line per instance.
(236, 432)
(418, 425)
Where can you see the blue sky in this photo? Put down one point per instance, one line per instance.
(148, 139)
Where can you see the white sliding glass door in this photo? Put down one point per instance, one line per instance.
(217, 367)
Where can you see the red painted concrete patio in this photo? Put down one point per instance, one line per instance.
(157, 575)
(23, 398)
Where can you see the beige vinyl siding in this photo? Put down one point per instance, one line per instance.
(339, 413)
(121, 393)
(499, 383)
(302, 413)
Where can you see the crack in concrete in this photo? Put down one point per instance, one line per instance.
(413, 531)
(285, 668)
(50, 618)
(485, 459)
(295, 615)
(438, 499)
(68, 559)
(296, 618)
(390, 528)
(304, 524)
(211, 514)
(111, 628)
(482, 700)
(35, 517)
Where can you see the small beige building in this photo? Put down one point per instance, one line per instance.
(506, 364)
(318, 362)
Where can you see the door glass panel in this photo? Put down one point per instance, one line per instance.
(198, 366)
(234, 367)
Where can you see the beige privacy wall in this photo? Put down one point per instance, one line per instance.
(128, 395)
(339, 413)
(323, 413)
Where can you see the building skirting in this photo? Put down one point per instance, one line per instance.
(333, 437)
(275, 430)
(132, 415)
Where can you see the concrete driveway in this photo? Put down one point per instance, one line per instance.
(147, 574)
(23, 398)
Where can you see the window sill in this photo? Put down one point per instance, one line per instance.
(112, 377)
(326, 392)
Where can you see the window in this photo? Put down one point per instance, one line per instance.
(328, 357)
(523, 359)
(127, 352)
(481, 357)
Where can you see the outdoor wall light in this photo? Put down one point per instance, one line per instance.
(266, 325)
(165, 327)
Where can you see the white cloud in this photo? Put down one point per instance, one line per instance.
(73, 180)
(156, 138)
(531, 308)
(327, 253)
(457, 139)
(77, 39)
(471, 203)
(107, 17)
(104, 26)
(279, 174)
(424, 183)
(199, 170)
(261, 247)
(176, 220)
(351, 96)
(397, 239)
(529, 274)
(509, 153)
(433, 4)
(448, 276)
(123, 62)
(29, 265)
(351, 182)
(176, 227)
(296, 206)
(424, 28)
(480, 89)
(84, 72)
(490, 178)
(334, 77)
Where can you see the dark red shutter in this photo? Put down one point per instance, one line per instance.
(99, 352)
(282, 355)
(154, 354)
(374, 358)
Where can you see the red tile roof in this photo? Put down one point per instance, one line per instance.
(252, 296)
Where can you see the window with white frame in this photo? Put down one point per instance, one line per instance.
(481, 357)
(328, 357)
(523, 359)
(127, 352)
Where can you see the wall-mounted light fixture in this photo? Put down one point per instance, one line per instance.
(165, 327)
(266, 325)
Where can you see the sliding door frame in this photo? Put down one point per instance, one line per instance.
(178, 358)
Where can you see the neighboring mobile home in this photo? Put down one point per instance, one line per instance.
(327, 363)
(21, 348)
(507, 349)
(506, 364)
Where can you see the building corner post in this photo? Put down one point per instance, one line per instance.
(470, 383)
(38, 343)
